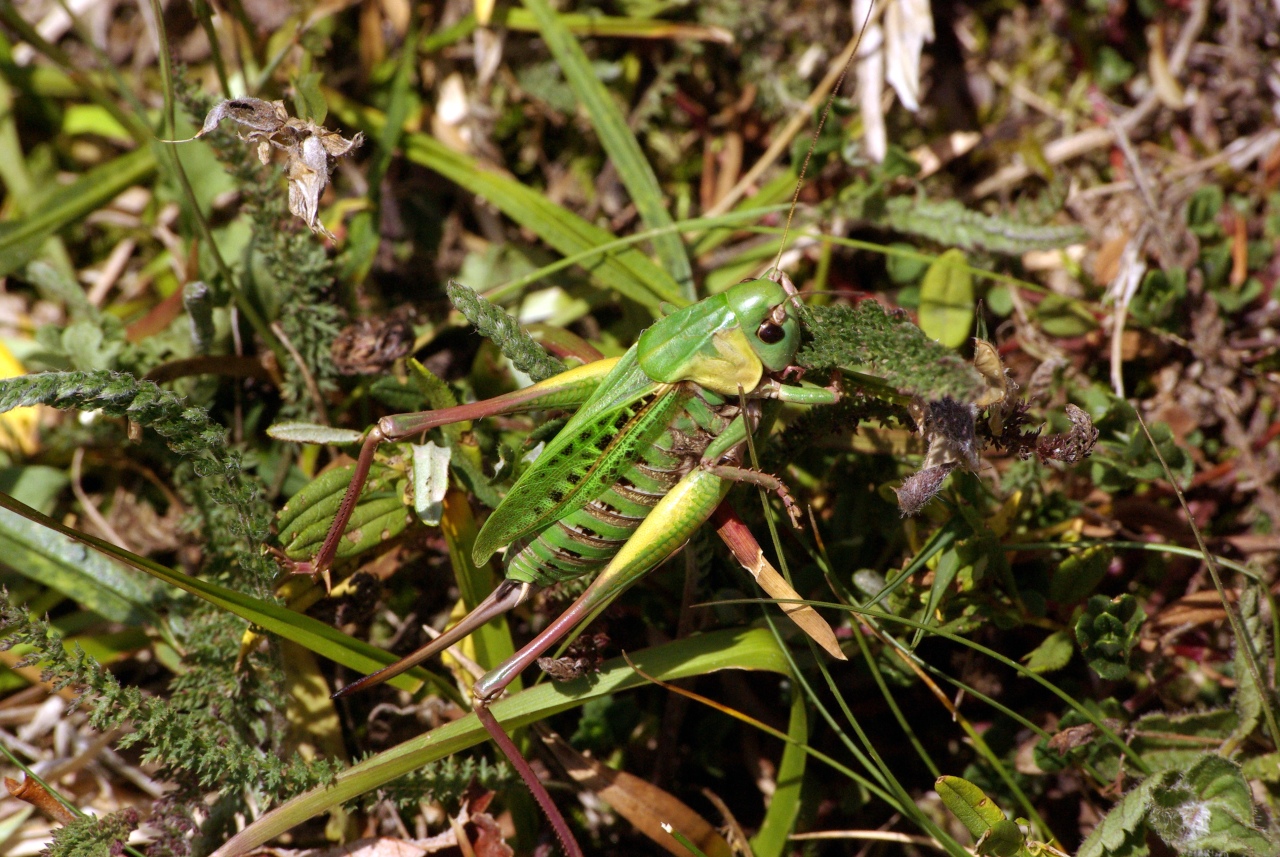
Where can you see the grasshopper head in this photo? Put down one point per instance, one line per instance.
(767, 315)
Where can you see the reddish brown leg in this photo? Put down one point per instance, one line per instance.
(401, 426)
(526, 772)
(765, 480)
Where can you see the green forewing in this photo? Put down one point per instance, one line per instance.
(605, 436)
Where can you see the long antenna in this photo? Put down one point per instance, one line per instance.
(822, 121)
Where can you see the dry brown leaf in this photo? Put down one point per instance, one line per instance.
(1106, 263)
(986, 359)
(1239, 252)
(489, 841)
(371, 345)
(932, 157)
(640, 802)
(747, 551)
(1072, 737)
(1070, 446)
(1199, 608)
(1164, 82)
(35, 794)
(307, 147)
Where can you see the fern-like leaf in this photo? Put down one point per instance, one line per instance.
(886, 346)
(950, 224)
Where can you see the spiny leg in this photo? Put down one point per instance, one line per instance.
(667, 527)
(764, 480)
(526, 772)
(508, 595)
(495, 682)
(568, 389)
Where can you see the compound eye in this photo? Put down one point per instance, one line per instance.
(770, 333)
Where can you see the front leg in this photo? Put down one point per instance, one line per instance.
(802, 394)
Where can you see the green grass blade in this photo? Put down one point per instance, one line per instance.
(869, 755)
(492, 642)
(21, 239)
(749, 649)
(18, 183)
(737, 219)
(583, 24)
(91, 580)
(596, 25)
(316, 636)
(771, 840)
(1104, 732)
(628, 271)
(624, 150)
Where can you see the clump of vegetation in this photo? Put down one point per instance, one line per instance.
(1040, 520)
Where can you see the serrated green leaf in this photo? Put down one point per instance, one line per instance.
(1176, 741)
(1120, 831)
(1107, 631)
(1265, 767)
(1208, 810)
(505, 332)
(886, 346)
(1248, 699)
(950, 224)
(317, 636)
(1053, 653)
(1216, 779)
